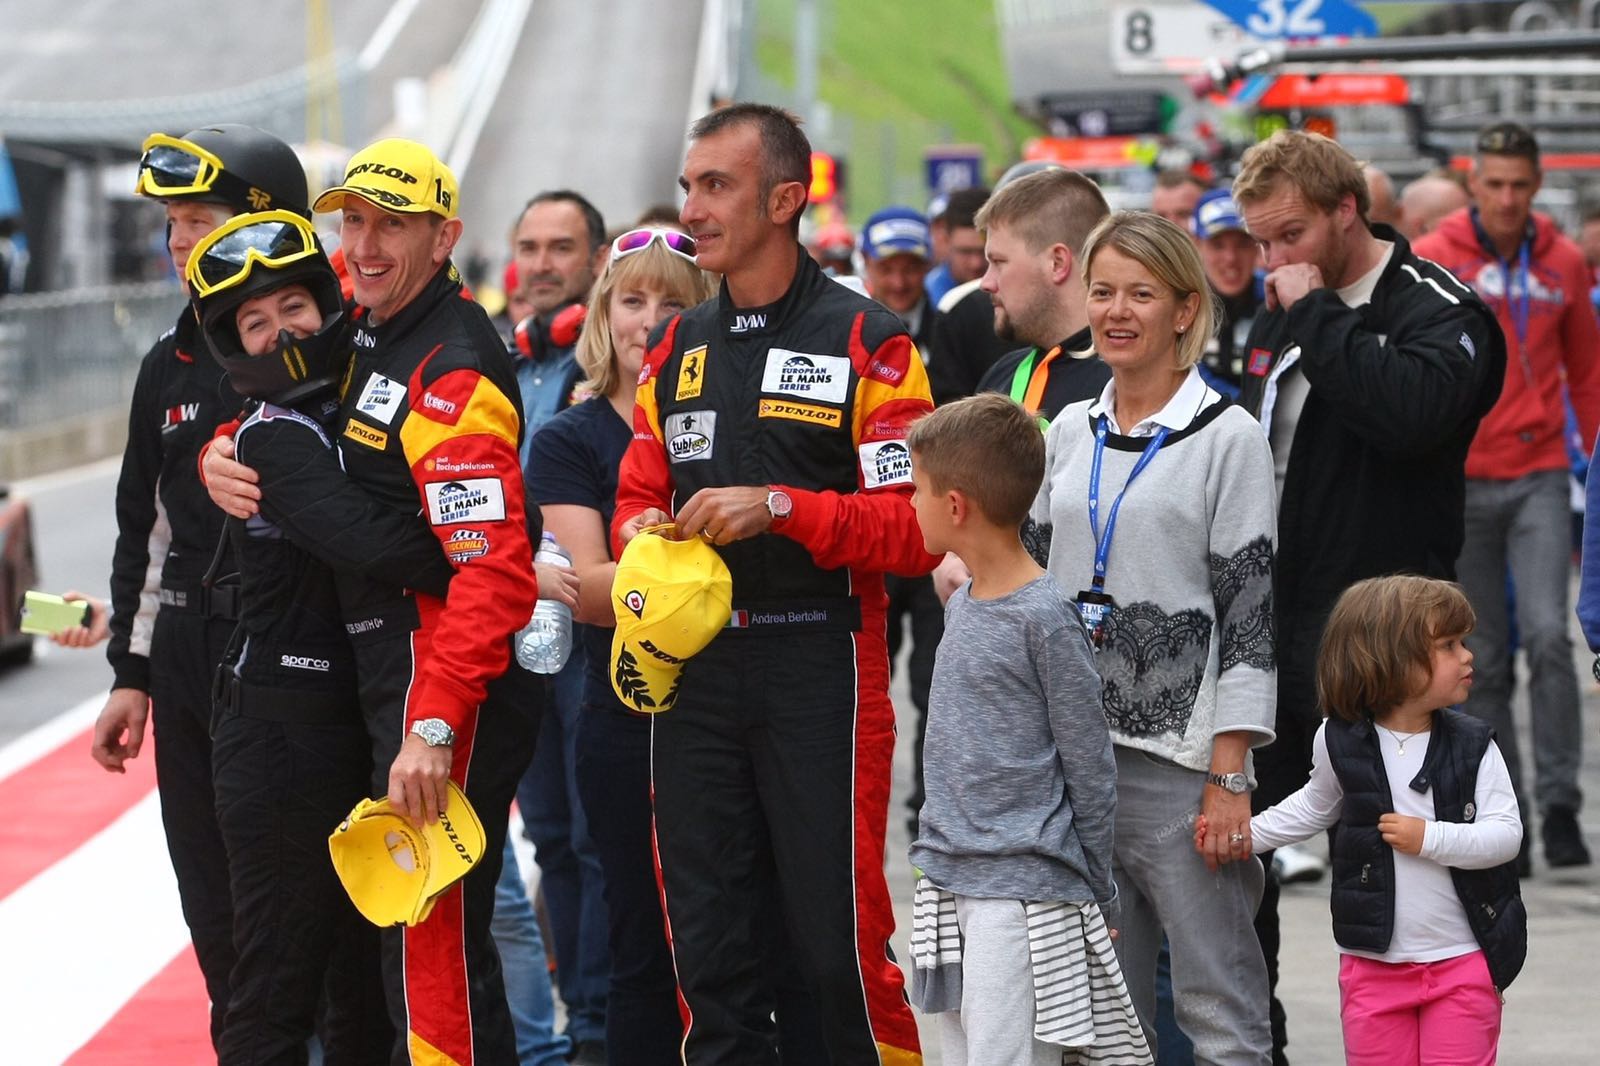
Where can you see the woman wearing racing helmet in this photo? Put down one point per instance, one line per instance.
(291, 754)
(163, 660)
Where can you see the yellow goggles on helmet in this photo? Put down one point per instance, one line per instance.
(224, 257)
(172, 166)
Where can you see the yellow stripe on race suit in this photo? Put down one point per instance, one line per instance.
(645, 397)
(872, 393)
(898, 1056)
(487, 411)
(425, 1054)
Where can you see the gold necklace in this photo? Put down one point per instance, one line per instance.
(1401, 738)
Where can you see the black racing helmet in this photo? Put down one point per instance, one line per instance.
(251, 255)
(241, 167)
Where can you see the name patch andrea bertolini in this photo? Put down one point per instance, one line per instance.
(690, 435)
(815, 377)
(479, 499)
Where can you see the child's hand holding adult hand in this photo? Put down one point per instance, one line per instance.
(1402, 832)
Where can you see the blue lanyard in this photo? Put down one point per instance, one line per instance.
(1523, 308)
(1102, 542)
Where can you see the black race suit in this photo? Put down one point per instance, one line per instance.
(290, 749)
(771, 772)
(167, 633)
(429, 424)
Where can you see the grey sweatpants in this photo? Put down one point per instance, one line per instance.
(1219, 978)
(994, 1026)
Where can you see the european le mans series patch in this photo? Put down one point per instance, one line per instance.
(381, 399)
(478, 499)
(810, 377)
(885, 462)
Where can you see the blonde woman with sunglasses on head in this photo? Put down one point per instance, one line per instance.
(572, 472)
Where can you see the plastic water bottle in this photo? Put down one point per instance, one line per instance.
(545, 642)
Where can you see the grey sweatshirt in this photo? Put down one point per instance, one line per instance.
(1189, 652)
(1020, 777)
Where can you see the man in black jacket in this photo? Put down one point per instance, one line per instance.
(168, 630)
(1036, 227)
(1369, 369)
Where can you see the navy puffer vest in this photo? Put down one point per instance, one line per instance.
(1363, 865)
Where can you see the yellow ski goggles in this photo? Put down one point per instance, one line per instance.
(224, 257)
(172, 166)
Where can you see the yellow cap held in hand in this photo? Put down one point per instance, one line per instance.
(672, 597)
(394, 871)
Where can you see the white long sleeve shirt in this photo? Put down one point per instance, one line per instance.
(1429, 921)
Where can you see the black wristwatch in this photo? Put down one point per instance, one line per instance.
(1597, 667)
(1236, 783)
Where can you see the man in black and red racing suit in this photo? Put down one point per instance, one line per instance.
(771, 772)
(429, 423)
(169, 628)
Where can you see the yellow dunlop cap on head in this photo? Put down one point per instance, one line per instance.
(672, 597)
(396, 175)
(394, 871)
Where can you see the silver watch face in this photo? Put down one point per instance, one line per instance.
(1236, 783)
(434, 732)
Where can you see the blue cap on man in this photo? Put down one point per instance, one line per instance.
(1216, 212)
(897, 230)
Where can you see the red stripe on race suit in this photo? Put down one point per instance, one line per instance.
(888, 1012)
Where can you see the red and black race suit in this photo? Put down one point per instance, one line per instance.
(771, 772)
(166, 635)
(429, 424)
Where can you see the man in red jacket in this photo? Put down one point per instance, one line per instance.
(1517, 492)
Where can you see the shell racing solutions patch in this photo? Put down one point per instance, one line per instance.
(812, 377)
(465, 544)
(690, 435)
(885, 462)
(470, 500)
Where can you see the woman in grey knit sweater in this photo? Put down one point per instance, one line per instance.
(1158, 505)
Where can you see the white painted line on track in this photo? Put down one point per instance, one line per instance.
(47, 736)
(57, 479)
(86, 935)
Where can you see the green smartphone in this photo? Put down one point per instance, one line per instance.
(44, 614)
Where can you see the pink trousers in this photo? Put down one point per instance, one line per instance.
(1444, 1013)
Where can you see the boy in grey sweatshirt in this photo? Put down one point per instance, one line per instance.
(1015, 908)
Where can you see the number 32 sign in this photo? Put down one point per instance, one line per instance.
(1274, 19)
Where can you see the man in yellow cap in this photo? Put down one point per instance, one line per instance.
(429, 423)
